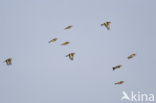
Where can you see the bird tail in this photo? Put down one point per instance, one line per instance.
(115, 83)
(102, 24)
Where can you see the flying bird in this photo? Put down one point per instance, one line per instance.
(8, 61)
(68, 27)
(117, 67)
(107, 25)
(53, 40)
(65, 43)
(71, 56)
(120, 82)
(131, 56)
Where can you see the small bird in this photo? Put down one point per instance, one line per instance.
(8, 61)
(71, 56)
(107, 25)
(120, 82)
(68, 27)
(53, 40)
(65, 43)
(117, 67)
(131, 56)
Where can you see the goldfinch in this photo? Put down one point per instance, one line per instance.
(117, 67)
(53, 40)
(131, 56)
(68, 27)
(65, 43)
(120, 82)
(107, 25)
(8, 61)
(71, 56)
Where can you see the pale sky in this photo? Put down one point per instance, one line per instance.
(40, 72)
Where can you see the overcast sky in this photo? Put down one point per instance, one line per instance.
(40, 72)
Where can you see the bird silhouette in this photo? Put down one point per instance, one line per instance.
(53, 40)
(71, 56)
(68, 27)
(117, 67)
(131, 56)
(65, 43)
(107, 25)
(120, 82)
(8, 61)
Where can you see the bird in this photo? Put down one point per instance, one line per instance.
(65, 43)
(8, 61)
(117, 67)
(131, 56)
(71, 56)
(107, 25)
(53, 40)
(120, 82)
(68, 27)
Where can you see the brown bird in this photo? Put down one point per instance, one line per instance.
(8, 61)
(53, 40)
(120, 82)
(107, 25)
(68, 27)
(71, 56)
(117, 67)
(65, 43)
(131, 56)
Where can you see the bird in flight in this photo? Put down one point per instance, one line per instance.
(107, 25)
(65, 43)
(8, 61)
(131, 56)
(117, 67)
(53, 40)
(71, 56)
(68, 27)
(120, 82)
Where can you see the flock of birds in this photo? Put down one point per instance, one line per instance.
(119, 66)
(71, 55)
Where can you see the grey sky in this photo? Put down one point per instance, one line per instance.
(42, 74)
